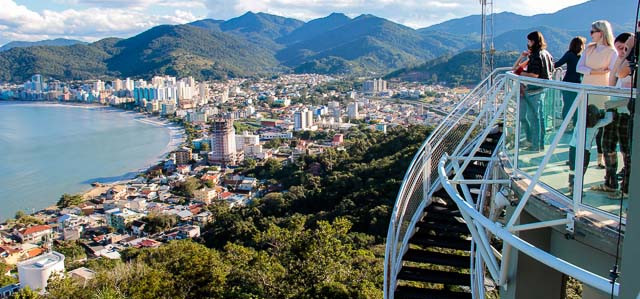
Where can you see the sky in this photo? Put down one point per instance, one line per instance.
(91, 20)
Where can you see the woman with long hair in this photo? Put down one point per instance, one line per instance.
(595, 64)
(571, 58)
(540, 66)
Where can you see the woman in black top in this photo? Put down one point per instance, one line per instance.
(571, 58)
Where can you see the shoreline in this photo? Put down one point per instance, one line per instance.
(177, 137)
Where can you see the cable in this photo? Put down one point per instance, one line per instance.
(614, 273)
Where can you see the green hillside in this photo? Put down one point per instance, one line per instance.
(460, 69)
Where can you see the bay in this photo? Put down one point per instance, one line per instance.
(50, 149)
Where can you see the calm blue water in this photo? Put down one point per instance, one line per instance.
(47, 150)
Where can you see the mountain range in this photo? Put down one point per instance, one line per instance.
(259, 44)
(46, 42)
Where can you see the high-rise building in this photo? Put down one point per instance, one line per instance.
(98, 85)
(36, 82)
(352, 110)
(223, 142)
(308, 118)
(128, 84)
(300, 120)
(375, 85)
(118, 85)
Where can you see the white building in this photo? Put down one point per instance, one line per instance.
(246, 140)
(274, 135)
(35, 272)
(352, 110)
(303, 119)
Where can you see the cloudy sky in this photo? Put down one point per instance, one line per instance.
(90, 20)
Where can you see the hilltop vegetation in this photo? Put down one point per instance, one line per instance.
(460, 69)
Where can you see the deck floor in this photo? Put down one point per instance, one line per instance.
(556, 175)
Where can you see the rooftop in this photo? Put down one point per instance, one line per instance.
(43, 261)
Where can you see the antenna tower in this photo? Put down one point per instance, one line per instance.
(486, 39)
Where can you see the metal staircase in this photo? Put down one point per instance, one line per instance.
(429, 248)
(438, 258)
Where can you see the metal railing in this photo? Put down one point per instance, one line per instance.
(457, 138)
(451, 135)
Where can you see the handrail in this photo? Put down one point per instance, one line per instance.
(398, 227)
(546, 258)
(570, 86)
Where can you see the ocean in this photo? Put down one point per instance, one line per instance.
(50, 149)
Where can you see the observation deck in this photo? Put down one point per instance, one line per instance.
(484, 212)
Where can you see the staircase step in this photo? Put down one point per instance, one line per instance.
(444, 227)
(434, 276)
(407, 292)
(434, 209)
(440, 241)
(442, 218)
(442, 194)
(488, 146)
(437, 258)
(483, 154)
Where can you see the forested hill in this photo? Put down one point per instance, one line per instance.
(320, 236)
(460, 69)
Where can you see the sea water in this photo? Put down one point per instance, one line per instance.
(48, 149)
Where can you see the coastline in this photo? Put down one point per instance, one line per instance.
(177, 137)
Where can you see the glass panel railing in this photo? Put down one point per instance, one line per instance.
(607, 144)
(532, 128)
(511, 122)
(541, 117)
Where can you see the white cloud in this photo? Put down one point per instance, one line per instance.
(18, 22)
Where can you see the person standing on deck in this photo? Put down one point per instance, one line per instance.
(540, 66)
(596, 64)
(571, 58)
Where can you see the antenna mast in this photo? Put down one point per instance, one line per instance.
(486, 39)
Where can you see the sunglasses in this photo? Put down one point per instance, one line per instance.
(593, 31)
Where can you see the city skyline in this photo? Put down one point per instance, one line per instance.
(90, 20)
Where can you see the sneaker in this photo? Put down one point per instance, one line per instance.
(602, 188)
(618, 194)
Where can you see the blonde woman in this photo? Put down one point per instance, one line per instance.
(595, 64)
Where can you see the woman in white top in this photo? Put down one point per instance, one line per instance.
(595, 64)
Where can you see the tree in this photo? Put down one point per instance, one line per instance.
(273, 143)
(26, 293)
(159, 222)
(71, 250)
(68, 200)
(6, 279)
(19, 214)
(188, 187)
(204, 146)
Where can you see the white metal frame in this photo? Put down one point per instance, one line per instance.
(477, 222)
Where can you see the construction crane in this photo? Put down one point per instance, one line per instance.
(486, 38)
